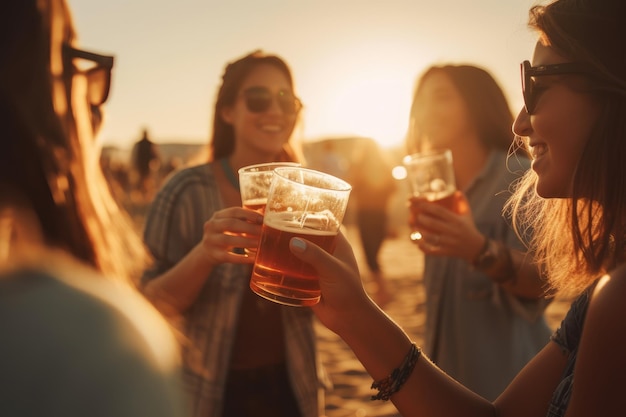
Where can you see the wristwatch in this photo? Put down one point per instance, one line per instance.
(487, 256)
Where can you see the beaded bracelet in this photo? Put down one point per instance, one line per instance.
(392, 384)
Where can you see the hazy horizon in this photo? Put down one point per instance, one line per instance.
(354, 62)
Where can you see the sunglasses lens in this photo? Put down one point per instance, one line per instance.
(527, 85)
(289, 104)
(99, 83)
(258, 100)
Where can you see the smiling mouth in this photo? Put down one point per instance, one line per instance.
(271, 128)
(538, 150)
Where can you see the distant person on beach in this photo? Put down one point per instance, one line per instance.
(146, 162)
(484, 294)
(372, 187)
(331, 161)
(573, 198)
(78, 339)
(246, 356)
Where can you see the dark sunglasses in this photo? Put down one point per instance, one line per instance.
(528, 83)
(98, 76)
(259, 100)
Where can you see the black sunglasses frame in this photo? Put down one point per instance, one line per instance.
(103, 62)
(259, 100)
(528, 71)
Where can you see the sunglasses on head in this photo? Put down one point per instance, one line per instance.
(98, 76)
(528, 83)
(259, 100)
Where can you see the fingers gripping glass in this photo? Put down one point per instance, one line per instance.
(528, 83)
(98, 76)
(259, 100)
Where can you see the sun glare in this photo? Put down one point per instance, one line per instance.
(369, 104)
(376, 108)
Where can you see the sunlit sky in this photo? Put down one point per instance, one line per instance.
(355, 62)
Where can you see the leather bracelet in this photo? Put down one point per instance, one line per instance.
(392, 384)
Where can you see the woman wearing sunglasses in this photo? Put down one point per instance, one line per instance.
(573, 198)
(246, 356)
(78, 339)
(484, 295)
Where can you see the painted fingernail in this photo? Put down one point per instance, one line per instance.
(298, 245)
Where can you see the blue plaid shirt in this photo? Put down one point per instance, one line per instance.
(173, 227)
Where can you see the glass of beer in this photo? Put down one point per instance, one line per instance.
(431, 178)
(254, 184)
(301, 203)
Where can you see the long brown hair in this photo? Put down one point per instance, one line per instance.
(579, 238)
(47, 165)
(488, 108)
(222, 142)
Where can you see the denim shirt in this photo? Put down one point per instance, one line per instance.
(568, 338)
(477, 332)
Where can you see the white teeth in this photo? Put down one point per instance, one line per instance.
(538, 150)
(271, 128)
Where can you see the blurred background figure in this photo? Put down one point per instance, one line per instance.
(484, 293)
(332, 161)
(246, 356)
(77, 338)
(372, 187)
(146, 164)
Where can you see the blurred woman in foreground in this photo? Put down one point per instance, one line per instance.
(77, 338)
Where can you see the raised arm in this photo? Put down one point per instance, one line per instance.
(381, 346)
(186, 247)
(448, 233)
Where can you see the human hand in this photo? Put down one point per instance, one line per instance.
(343, 294)
(230, 230)
(447, 231)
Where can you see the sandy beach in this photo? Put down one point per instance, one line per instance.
(402, 263)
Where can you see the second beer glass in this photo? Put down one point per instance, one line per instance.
(254, 185)
(255, 181)
(431, 178)
(301, 203)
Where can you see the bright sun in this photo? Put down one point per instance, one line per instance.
(372, 104)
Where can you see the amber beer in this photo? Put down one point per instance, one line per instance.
(305, 203)
(447, 199)
(281, 277)
(257, 205)
(431, 178)
(254, 184)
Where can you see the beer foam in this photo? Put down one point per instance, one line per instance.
(292, 223)
(255, 202)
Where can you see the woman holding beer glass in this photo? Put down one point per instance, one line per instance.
(246, 356)
(572, 123)
(484, 299)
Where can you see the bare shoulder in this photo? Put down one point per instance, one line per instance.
(605, 322)
(609, 296)
(600, 362)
